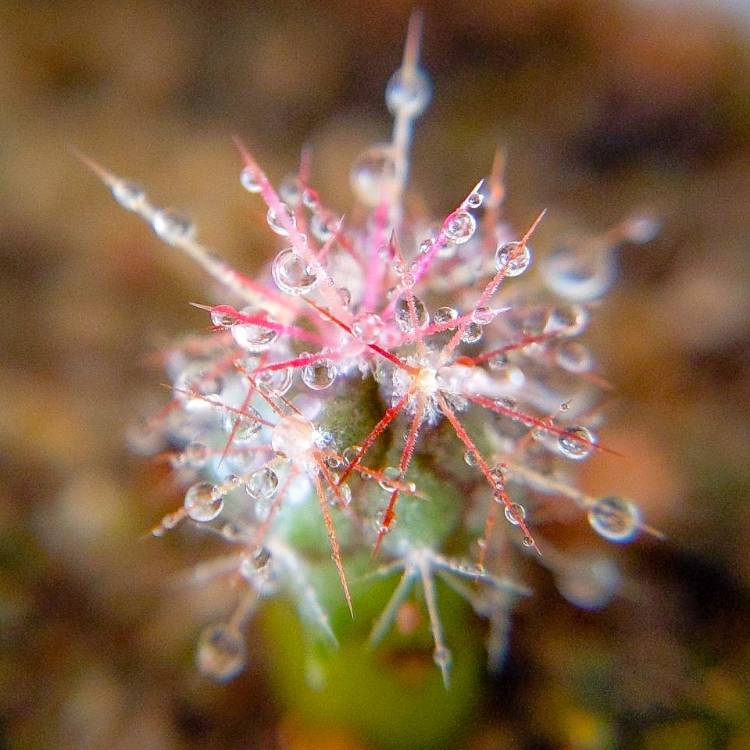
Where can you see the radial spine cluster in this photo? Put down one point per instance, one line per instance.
(337, 377)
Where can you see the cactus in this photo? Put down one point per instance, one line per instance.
(396, 394)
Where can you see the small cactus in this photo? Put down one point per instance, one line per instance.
(397, 392)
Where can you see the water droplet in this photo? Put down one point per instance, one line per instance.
(351, 453)
(442, 657)
(128, 194)
(290, 191)
(391, 474)
(197, 378)
(345, 296)
(372, 176)
(513, 258)
(641, 229)
(408, 92)
(615, 518)
(196, 454)
(251, 564)
(497, 361)
(320, 374)
(498, 477)
(171, 226)
(276, 382)
(573, 357)
(293, 436)
(578, 274)
(407, 279)
(475, 200)
(262, 484)
(528, 541)
(222, 319)
(460, 227)
(278, 224)
(292, 274)
(444, 315)
(249, 180)
(321, 228)
(245, 425)
(404, 312)
(569, 320)
(472, 333)
(203, 502)
(590, 584)
(483, 315)
(515, 513)
(344, 495)
(221, 652)
(424, 247)
(367, 327)
(576, 443)
(310, 199)
(252, 336)
(470, 458)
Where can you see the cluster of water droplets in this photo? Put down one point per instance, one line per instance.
(246, 453)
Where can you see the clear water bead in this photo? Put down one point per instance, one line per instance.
(197, 378)
(196, 454)
(444, 315)
(472, 333)
(372, 176)
(580, 275)
(350, 453)
(391, 475)
(262, 484)
(408, 92)
(470, 458)
(222, 319)
(251, 564)
(367, 327)
(203, 502)
(244, 426)
(498, 361)
(483, 315)
(249, 180)
(321, 228)
(252, 336)
(340, 496)
(513, 258)
(221, 652)
(497, 473)
(424, 247)
(280, 223)
(515, 514)
(573, 357)
(589, 583)
(320, 374)
(293, 436)
(615, 518)
(276, 382)
(406, 317)
(129, 195)
(460, 227)
(290, 191)
(576, 443)
(292, 274)
(569, 320)
(475, 200)
(171, 226)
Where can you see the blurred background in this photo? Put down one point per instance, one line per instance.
(603, 107)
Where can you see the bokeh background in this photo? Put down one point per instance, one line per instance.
(604, 108)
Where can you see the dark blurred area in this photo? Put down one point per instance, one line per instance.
(604, 108)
